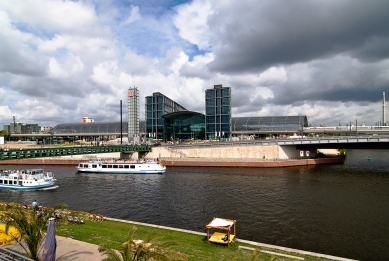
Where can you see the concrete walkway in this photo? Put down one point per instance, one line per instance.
(70, 249)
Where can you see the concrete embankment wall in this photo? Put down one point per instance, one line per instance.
(244, 152)
(229, 152)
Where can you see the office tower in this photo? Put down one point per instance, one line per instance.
(218, 112)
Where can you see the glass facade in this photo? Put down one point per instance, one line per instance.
(218, 112)
(157, 106)
(269, 123)
(133, 114)
(184, 125)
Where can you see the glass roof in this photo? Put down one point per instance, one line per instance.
(94, 127)
(271, 120)
(269, 123)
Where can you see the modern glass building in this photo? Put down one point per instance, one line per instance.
(133, 115)
(218, 112)
(184, 125)
(158, 105)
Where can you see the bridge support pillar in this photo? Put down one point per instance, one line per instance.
(126, 155)
(141, 155)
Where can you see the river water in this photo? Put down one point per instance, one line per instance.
(340, 210)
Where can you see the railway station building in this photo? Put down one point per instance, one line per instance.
(167, 120)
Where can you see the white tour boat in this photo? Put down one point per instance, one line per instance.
(121, 167)
(27, 179)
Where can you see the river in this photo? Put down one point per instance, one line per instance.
(340, 210)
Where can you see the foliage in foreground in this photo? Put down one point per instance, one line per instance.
(31, 227)
(30, 224)
(193, 246)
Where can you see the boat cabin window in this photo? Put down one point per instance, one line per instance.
(126, 166)
(94, 166)
(132, 166)
(115, 166)
(120, 166)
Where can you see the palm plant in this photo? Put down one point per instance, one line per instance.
(141, 250)
(31, 227)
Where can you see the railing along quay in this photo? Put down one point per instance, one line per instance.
(291, 141)
(30, 153)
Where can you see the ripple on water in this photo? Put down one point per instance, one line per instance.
(342, 210)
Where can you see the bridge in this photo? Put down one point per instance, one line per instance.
(305, 143)
(29, 153)
(336, 142)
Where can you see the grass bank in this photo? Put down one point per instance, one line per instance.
(194, 247)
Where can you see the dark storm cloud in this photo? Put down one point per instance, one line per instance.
(285, 32)
(338, 79)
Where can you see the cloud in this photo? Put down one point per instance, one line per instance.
(282, 33)
(2, 94)
(45, 17)
(324, 59)
(191, 21)
(134, 15)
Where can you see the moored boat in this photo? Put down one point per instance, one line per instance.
(121, 166)
(27, 179)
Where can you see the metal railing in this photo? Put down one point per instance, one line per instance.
(29, 153)
(9, 255)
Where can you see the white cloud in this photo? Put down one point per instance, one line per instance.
(134, 15)
(191, 21)
(5, 114)
(54, 15)
(73, 65)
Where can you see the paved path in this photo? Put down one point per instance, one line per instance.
(70, 249)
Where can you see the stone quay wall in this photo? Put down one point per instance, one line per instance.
(255, 152)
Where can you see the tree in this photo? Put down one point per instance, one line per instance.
(4, 133)
(141, 250)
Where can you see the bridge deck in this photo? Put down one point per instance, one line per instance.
(30, 153)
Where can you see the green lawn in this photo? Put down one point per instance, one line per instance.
(195, 247)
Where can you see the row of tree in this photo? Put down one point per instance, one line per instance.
(4, 134)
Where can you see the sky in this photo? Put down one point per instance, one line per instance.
(64, 60)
